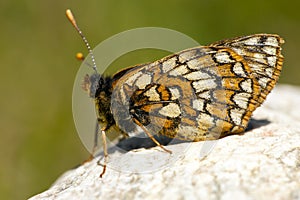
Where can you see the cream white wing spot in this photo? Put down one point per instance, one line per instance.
(272, 41)
(197, 75)
(169, 64)
(223, 57)
(239, 70)
(132, 78)
(206, 84)
(187, 55)
(178, 71)
(239, 51)
(252, 41)
(269, 50)
(269, 71)
(171, 110)
(247, 85)
(259, 55)
(263, 81)
(204, 95)
(236, 115)
(242, 99)
(143, 81)
(198, 104)
(175, 93)
(272, 60)
(152, 94)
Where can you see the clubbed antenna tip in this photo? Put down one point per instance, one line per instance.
(71, 18)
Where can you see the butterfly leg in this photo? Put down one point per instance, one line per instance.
(103, 134)
(95, 139)
(104, 151)
(151, 136)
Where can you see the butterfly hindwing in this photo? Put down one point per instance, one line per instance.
(197, 94)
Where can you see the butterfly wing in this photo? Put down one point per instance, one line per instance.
(197, 94)
(262, 52)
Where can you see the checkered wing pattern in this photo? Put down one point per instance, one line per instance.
(201, 93)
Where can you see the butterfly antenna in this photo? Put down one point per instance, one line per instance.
(71, 18)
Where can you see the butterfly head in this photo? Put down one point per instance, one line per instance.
(96, 85)
(90, 84)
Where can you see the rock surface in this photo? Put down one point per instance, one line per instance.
(262, 163)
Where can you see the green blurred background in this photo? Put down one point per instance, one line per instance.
(38, 137)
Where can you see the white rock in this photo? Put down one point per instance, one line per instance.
(263, 163)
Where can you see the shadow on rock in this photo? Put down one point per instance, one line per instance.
(257, 123)
(132, 143)
(137, 142)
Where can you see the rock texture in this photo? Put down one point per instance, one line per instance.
(262, 163)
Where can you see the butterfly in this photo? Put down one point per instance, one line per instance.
(201, 93)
